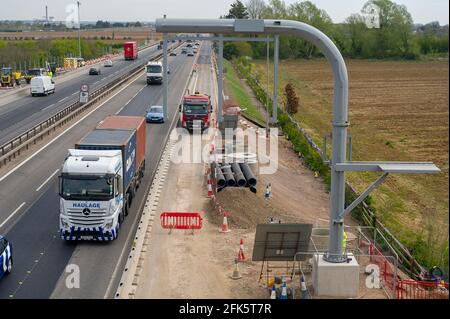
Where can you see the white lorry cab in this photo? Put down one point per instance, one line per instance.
(155, 72)
(42, 85)
(91, 197)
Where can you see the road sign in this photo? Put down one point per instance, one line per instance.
(84, 88)
(84, 94)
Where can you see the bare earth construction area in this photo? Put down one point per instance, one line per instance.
(398, 112)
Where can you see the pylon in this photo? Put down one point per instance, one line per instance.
(236, 274)
(305, 294)
(210, 191)
(284, 291)
(225, 223)
(273, 294)
(241, 256)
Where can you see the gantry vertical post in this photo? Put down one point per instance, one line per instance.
(275, 80)
(165, 78)
(220, 82)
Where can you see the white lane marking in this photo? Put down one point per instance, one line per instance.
(13, 213)
(51, 105)
(122, 254)
(131, 99)
(75, 93)
(67, 130)
(195, 83)
(46, 181)
(63, 99)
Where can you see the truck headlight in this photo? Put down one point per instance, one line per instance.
(64, 224)
(109, 224)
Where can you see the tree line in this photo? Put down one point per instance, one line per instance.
(35, 53)
(383, 29)
(21, 26)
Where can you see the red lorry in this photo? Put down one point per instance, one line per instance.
(130, 50)
(196, 111)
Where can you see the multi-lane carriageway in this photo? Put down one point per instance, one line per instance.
(20, 112)
(29, 204)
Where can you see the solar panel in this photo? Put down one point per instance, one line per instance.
(280, 242)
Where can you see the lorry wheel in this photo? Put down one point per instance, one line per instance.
(9, 266)
(127, 204)
(133, 190)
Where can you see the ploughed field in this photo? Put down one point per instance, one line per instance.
(139, 34)
(398, 111)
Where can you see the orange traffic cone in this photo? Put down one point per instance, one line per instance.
(241, 256)
(210, 191)
(225, 223)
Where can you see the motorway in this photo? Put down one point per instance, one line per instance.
(22, 112)
(29, 203)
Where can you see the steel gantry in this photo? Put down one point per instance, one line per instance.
(339, 164)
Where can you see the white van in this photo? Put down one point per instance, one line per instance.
(42, 85)
(155, 72)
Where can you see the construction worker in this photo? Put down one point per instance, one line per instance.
(344, 242)
(267, 193)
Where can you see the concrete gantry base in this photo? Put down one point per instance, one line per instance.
(335, 280)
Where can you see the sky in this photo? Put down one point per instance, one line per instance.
(422, 11)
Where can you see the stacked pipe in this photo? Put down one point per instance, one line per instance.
(235, 175)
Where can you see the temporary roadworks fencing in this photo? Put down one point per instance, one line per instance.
(412, 289)
(178, 220)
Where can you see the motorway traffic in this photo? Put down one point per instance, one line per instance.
(29, 196)
(26, 111)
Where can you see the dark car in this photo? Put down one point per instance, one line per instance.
(94, 71)
(173, 53)
(6, 260)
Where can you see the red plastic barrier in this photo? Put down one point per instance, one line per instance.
(412, 289)
(176, 220)
(387, 269)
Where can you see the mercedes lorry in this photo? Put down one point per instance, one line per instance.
(100, 177)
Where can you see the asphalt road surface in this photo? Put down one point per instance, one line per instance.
(24, 112)
(30, 205)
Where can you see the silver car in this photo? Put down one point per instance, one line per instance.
(155, 114)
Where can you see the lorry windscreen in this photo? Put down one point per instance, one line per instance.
(154, 69)
(34, 72)
(196, 108)
(87, 187)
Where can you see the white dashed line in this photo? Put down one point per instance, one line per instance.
(46, 181)
(14, 212)
(130, 100)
